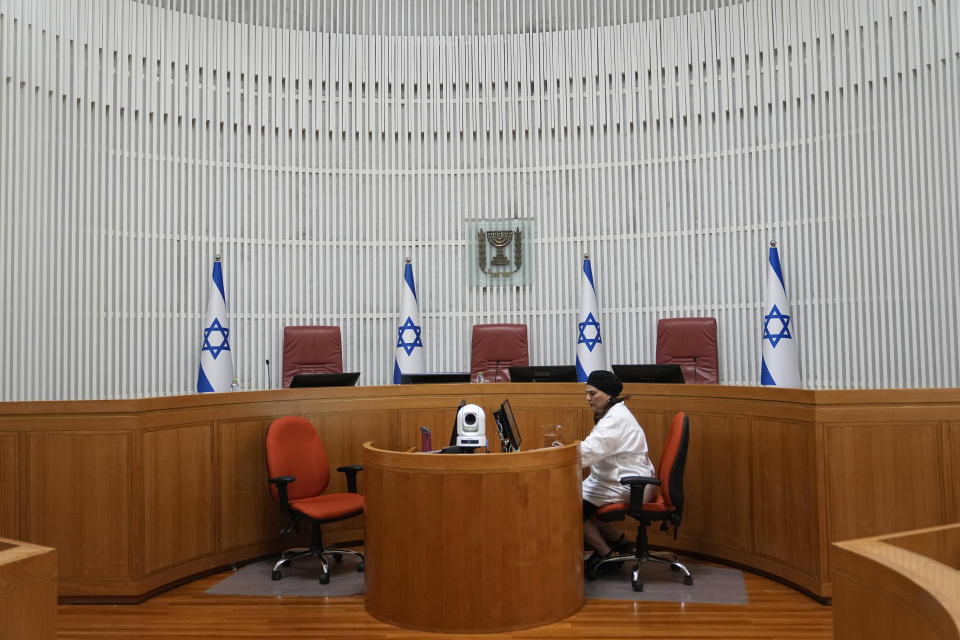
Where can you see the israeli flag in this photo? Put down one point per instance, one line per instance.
(779, 366)
(590, 355)
(409, 358)
(216, 358)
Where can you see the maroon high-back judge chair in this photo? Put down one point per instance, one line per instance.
(311, 349)
(692, 344)
(495, 348)
(666, 508)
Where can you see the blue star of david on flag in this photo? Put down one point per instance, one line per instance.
(784, 333)
(590, 321)
(216, 327)
(409, 345)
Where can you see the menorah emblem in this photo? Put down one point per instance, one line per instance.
(499, 239)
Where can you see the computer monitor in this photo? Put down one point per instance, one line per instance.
(507, 427)
(540, 373)
(657, 373)
(434, 378)
(324, 379)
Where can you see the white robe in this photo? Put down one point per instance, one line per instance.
(616, 447)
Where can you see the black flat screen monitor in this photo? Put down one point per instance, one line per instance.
(433, 378)
(507, 426)
(658, 373)
(543, 374)
(324, 380)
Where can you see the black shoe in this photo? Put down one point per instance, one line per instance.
(591, 564)
(624, 546)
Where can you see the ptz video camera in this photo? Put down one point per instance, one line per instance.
(471, 427)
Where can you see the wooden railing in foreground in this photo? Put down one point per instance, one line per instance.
(904, 585)
(28, 591)
(137, 495)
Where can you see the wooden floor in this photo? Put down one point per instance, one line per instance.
(775, 612)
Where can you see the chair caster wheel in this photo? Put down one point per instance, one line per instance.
(324, 578)
(687, 579)
(275, 575)
(361, 567)
(637, 585)
(338, 558)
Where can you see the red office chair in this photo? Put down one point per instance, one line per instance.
(311, 350)
(497, 347)
(691, 343)
(299, 473)
(666, 508)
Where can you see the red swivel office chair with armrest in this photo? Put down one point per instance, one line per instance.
(299, 473)
(692, 344)
(666, 508)
(311, 349)
(497, 347)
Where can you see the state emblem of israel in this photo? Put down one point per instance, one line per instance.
(500, 252)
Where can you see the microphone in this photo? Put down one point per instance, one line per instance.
(268, 373)
(496, 371)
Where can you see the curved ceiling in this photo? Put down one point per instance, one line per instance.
(438, 17)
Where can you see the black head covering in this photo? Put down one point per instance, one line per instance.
(606, 381)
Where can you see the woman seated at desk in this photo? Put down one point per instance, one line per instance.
(616, 447)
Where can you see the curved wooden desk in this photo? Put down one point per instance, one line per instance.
(905, 585)
(473, 543)
(137, 495)
(28, 590)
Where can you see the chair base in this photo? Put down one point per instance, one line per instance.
(298, 553)
(664, 557)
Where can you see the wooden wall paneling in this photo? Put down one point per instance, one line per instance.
(883, 478)
(536, 409)
(247, 513)
(343, 435)
(438, 420)
(532, 423)
(785, 500)
(823, 513)
(177, 464)
(78, 467)
(655, 426)
(718, 486)
(10, 517)
(950, 439)
(78, 493)
(137, 491)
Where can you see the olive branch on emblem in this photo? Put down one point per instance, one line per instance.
(518, 249)
(482, 250)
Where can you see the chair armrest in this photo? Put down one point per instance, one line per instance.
(351, 471)
(631, 481)
(282, 482)
(638, 486)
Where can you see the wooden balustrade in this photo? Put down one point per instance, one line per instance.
(136, 495)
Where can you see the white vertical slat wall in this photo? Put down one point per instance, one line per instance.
(315, 144)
